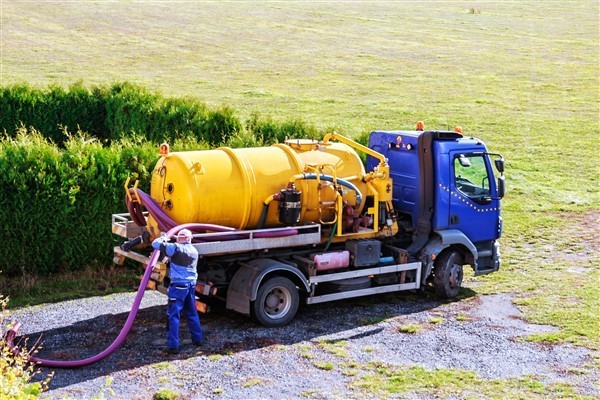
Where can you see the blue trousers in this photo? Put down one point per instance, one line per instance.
(181, 298)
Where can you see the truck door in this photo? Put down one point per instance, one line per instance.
(474, 205)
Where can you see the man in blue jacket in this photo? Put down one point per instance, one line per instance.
(183, 274)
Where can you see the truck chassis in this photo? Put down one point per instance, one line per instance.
(283, 265)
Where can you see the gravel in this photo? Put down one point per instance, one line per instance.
(243, 360)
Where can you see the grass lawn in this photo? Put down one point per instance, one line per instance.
(521, 75)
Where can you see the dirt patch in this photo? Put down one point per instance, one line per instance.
(499, 310)
(584, 234)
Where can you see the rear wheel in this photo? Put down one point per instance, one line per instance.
(276, 302)
(448, 274)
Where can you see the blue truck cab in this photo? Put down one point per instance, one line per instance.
(447, 201)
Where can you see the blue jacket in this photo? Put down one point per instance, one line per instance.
(184, 258)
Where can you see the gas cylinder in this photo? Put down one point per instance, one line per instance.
(228, 186)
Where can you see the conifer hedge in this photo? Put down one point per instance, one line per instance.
(111, 113)
(58, 191)
(56, 204)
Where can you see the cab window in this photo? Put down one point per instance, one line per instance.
(471, 177)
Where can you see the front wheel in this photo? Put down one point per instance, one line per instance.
(448, 274)
(276, 303)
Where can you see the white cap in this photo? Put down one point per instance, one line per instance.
(185, 234)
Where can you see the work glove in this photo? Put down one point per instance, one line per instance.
(158, 242)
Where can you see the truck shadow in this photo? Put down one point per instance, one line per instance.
(225, 333)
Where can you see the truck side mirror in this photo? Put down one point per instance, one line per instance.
(501, 186)
(499, 162)
(464, 161)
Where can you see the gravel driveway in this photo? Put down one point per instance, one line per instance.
(243, 360)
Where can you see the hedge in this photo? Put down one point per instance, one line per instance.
(58, 191)
(112, 113)
(265, 130)
(57, 203)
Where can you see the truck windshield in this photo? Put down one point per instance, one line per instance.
(471, 178)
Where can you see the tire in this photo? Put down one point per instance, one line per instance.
(276, 302)
(448, 274)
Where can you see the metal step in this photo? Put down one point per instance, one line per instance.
(484, 271)
(484, 253)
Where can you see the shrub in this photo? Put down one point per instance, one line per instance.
(53, 111)
(58, 202)
(15, 370)
(264, 129)
(20, 104)
(112, 113)
(165, 394)
(59, 190)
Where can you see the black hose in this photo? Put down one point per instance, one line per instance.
(263, 216)
(342, 182)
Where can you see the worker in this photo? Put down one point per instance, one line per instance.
(183, 274)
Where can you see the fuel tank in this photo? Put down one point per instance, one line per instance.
(228, 186)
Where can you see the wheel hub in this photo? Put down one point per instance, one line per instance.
(273, 300)
(277, 302)
(456, 275)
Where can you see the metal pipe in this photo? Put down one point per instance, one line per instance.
(356, 145)
(263, 216)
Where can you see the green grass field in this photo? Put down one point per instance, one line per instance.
(522, 75)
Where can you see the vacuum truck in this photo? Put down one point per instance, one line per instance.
(306, 221)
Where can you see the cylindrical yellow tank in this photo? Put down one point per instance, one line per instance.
(228, 186)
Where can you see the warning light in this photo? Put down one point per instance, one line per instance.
(164, 149)
(201, 307)
(458, 129)
(420, 126)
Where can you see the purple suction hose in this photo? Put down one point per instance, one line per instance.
(165, 223)
(124, 331)
(11, 334)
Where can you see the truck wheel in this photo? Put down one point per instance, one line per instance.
(448, 274)
(276, 302)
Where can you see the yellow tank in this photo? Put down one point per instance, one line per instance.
(229, 186)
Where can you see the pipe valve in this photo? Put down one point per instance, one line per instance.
(130, 244)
